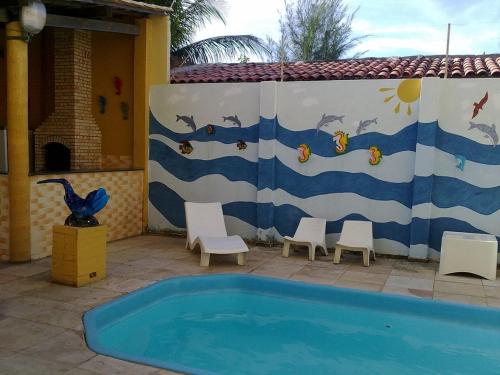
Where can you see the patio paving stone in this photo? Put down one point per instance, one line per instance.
(21, 364)
(111, 366)
(410, 283)
(67, 347)
(358, 285)
(474, 280)
(364, 277)
(492, 291)
(18, 334)
(419, 293)
(459, 288)
(60, 318)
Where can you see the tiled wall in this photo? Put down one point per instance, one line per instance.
(122, 215)
(4, 218)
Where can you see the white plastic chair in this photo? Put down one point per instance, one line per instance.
(356, 236)
(310, 233)
(206, 228)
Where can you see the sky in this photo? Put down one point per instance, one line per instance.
(394, 27)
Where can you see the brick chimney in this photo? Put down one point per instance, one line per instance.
(71, 124)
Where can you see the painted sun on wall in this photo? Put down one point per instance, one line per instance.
(408, 91)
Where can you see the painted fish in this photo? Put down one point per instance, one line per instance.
(460, 161)
(375, 155)
(210, 129)
(489, 131)
(304, 152)
(188, 120)
(234, 119)
(241, 145)
(364, 124)
(185, 147)
(341, 140)
(325, 120)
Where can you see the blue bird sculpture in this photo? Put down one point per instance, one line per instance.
(81, 208)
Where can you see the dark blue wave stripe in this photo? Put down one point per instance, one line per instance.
(233, 168)
(286, 217)
(449, 192)
(431, 134)
(439, 225)
(322, 144)
(222, 134)
(333, 182)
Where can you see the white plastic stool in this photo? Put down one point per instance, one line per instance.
(469, 252)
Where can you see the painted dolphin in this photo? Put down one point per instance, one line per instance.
(188, 120)
(489, 131)
(460, 161)
(234, 119)
(364, 124)
(325, 120)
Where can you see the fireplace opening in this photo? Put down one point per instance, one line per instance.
(57, 157)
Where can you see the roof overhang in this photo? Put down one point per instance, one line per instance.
(129, 5)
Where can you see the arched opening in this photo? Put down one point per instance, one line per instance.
(57, 157)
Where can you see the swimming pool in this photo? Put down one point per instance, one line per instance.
(242, 324)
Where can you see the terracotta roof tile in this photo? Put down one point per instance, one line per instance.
(469, 66)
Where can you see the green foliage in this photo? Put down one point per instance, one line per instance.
(190, 15)
(314, 30)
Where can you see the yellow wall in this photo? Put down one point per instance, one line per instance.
(3, 75)
(113, 55)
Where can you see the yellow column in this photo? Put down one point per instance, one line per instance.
(151, 66)
(17, 145)
(142, 65)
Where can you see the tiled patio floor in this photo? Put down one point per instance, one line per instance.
(40, 322)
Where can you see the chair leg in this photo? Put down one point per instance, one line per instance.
(286, 249)
(325, 250)
(205, 259)
(366, 258)
(312, 251)
(374, 257)
(241, 258)
(337, 255)
(187, 245)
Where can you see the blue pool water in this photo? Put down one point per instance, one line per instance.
(241, 324)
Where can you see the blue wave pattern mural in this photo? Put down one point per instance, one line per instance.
(273, 174)
(473, 206)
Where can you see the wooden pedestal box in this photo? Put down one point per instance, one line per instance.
(78, 254)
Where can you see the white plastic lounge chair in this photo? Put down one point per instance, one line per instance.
(310, 233)
(205, 227)
(356, 236)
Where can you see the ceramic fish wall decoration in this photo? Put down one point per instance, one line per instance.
(210, 129)
(188, 120)
(241, 145)
(185, 147)
(488, 130)
(364, 124)
(479, 106)
(304, 153)
(341, 140)
(460, 161)
(117, 81)
(325, 120)
(234, 119)
(82, 209)
(375, 155)
(125, 109)
(102, 104)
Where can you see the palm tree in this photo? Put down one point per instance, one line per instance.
(190, 15)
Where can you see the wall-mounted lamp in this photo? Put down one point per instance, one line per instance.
(32, 17)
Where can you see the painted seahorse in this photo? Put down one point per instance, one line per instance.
(375, 155)
(304, 152)
(341, 139)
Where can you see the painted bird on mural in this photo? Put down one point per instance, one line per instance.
(479, 106)
(81, 207)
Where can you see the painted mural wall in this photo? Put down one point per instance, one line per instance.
(457, 182)
(204, 147)
(378, 150)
